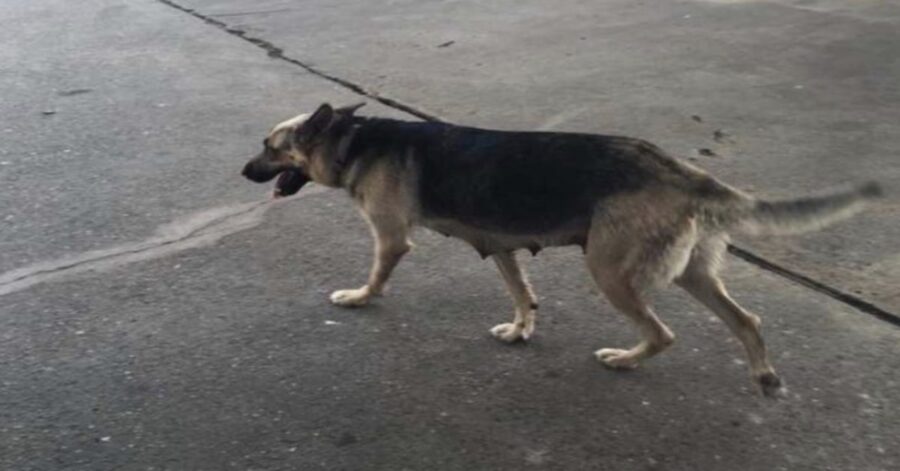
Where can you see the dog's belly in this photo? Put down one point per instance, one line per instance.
(488, 242)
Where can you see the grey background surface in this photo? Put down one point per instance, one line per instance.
(156, 314)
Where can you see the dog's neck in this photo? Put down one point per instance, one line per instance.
(341, 162)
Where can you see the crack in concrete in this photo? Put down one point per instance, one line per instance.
(254, 12)
(749, 257)
(194, 230)
(278, 53)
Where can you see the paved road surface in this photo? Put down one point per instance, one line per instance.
(157, 313)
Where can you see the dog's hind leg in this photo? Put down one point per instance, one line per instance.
(701, 281)
(526, 306)
(621, 267)
(625, 297)
(391, 243)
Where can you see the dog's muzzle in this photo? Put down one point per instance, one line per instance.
(288, 183)
(258, 173)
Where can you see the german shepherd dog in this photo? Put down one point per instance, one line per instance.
(642, 218)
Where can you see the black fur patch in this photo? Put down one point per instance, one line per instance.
(509, 182)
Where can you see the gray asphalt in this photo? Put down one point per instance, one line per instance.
(157, 313)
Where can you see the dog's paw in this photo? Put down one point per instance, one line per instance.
(770, 385)
(617, 358)
(511, 332)
(351, 297)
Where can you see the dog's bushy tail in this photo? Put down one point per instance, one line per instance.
(799, 215)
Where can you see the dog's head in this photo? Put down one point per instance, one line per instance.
(297, 150)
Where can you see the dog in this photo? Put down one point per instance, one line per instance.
(643, 219)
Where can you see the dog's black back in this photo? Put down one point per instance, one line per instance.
(515, 182)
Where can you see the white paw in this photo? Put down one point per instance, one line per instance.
(616, 358)
(351, 297)
(528, 331)
(511, 332)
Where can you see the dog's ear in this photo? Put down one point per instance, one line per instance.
(315, 125)
(349, 110)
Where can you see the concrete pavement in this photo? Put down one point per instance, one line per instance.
(792, 96)
(155, 315)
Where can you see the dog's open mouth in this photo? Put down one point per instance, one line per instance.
(288, 183)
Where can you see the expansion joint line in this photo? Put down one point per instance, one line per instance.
(749, 257)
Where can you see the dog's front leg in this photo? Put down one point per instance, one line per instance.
(391, 243)
(522, 325)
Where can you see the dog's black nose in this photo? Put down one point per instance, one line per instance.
(259, 173)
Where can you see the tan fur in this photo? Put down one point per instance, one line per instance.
(316, 166)
(387, 205)
(672, 230)
(525, 301)
(279, 135)
(637, 242)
